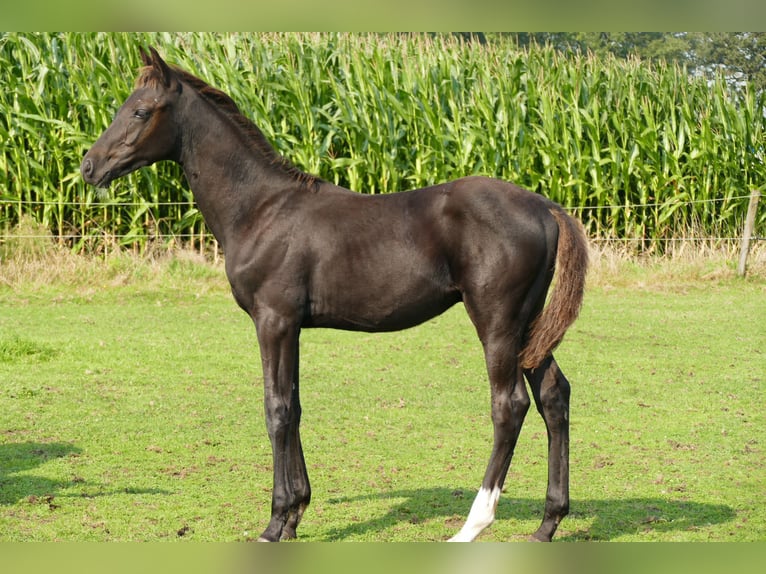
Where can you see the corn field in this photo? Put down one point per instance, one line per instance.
(638, 152)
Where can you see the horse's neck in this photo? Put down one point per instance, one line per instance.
(227, 177)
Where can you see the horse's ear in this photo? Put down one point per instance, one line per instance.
(145, 57)
(154, 60)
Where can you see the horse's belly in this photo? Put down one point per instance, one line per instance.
(392, 311)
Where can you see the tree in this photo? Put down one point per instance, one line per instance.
(739, 56)
(646, 45)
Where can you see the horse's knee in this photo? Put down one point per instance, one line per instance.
(520, 400)
(509, 409)
(281, 417)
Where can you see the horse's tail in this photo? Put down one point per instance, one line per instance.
(547, 330)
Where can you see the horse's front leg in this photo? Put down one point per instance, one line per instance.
(278, 339)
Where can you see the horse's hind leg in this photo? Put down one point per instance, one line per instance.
(510, 403)
(550, 389)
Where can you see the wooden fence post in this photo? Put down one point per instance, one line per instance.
(748, 231)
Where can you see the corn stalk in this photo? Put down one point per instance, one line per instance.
(640, 152)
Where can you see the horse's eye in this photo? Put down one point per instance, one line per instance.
(141, 114)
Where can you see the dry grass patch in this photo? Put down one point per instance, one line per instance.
(687, 265)
(31, 260)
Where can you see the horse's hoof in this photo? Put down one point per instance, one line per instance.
(538, 538)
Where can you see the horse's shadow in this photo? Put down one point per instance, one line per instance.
(16, 484)
(16, 459)
(611, 518)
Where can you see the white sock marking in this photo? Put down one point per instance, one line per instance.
(482, 514)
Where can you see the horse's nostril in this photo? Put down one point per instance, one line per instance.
(87, 167)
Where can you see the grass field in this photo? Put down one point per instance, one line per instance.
(131, 409)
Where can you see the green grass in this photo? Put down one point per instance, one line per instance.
(132, 410)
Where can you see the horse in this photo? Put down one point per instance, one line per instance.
(301, 252)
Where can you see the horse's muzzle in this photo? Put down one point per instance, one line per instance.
(88, 171)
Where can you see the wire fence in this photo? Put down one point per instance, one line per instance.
(204, 240)
(43, 203)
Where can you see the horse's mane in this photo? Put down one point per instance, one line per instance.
(148, 76)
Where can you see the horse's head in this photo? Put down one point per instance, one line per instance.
(143, 131)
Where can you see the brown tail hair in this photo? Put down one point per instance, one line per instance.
(548, 329)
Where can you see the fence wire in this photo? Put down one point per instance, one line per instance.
(99, 205)
(208, 238)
